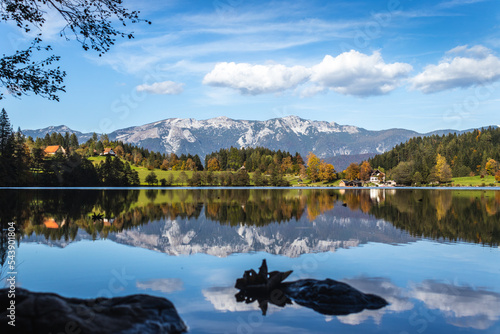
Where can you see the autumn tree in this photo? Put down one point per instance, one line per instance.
(190, 164)
(497, 176)
(352, 172)
(443, 170)
(302, 172)
(491, 167)
(91, 23)
(326, 172)
(137, 157)
(119, 151)
(365, 171)
(286, 164)
(213, 165)
(313, 163)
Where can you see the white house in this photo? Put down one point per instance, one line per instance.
(108, 151)
(377, 177)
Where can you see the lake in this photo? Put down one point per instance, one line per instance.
(432, 254)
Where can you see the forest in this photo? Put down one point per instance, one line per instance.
(436, 159)
(24, 161)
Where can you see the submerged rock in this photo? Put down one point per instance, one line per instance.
(331, 297)
(50, 313)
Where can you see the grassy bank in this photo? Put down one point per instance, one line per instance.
(295, 181)
(165, 174)
(474, 181)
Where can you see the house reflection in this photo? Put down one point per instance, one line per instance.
(51, 223)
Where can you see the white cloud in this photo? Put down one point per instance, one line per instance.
(476, 51)
(354, 73)
(166, 285)
(162, 88)
(350, 73)
(470, 66)
(256, 79)
(455, 3)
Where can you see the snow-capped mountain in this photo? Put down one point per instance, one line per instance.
(291, 133)
(328, 140)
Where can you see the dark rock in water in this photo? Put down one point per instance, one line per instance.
(327, 297)
(331, 297)
(51, 313)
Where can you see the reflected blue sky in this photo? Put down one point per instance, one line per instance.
(430, 286)
(190, 246)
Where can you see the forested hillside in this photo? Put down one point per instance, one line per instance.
(439, 158)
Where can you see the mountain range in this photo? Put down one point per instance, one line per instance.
(337, 144)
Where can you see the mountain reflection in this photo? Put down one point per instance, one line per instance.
(311, 219)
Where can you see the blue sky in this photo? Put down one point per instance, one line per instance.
(422, 65)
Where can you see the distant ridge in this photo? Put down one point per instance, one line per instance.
(340, 144)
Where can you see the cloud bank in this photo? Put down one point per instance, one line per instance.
(350, 73)
(357, 74)
(354, 73)
(469, 67)
(256, 79)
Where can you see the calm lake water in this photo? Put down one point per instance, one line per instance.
(432, 254)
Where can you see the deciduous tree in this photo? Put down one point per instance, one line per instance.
(326, 172)
(365, 171)
(213, 165)
(313, 163)
(151, 178)
(352, 172)
(491, 167)
(91, 23)
(403, 173)
(443, 170)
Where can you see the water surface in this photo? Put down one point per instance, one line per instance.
(432, 254)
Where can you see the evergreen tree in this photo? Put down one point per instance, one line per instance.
(5, 134)
(73, 141)
(7, 149)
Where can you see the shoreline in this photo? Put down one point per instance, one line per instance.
(251, 187)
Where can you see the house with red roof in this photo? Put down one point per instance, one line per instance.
(53, 149)
(108, 151)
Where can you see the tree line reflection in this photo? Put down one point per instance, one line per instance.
(470, 216)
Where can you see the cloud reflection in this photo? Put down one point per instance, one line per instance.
(462, 306)
(383, 287)
(166, 285)
(222, 298)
